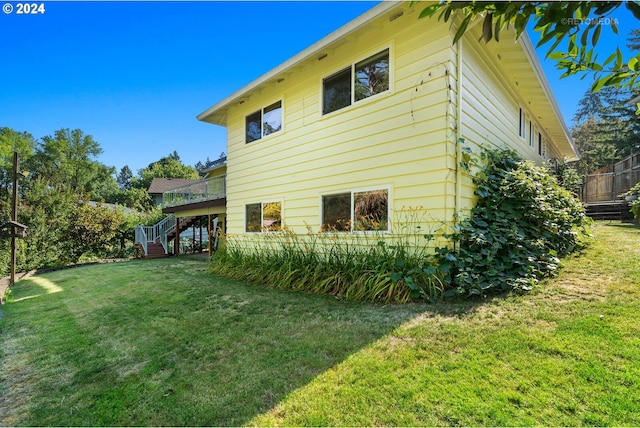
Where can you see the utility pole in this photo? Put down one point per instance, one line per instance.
(14, 218)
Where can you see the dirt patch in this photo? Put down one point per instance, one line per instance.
(571, 290)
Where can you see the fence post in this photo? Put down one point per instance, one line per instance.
(176, 244)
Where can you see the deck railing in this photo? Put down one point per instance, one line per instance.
(157, 232)
(204, 190)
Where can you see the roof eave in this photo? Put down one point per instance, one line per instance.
(217, 113)
(530, 51)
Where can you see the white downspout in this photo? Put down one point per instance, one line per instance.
(458, 131)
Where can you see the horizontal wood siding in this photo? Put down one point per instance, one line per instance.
(490, 111)
(394, 140)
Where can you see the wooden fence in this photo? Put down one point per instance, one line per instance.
(608, 183)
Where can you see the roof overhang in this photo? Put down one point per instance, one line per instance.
(217, 114)
(519, 62)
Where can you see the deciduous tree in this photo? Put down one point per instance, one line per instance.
(166, 167)
(68, 161)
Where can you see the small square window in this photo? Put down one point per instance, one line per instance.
(337, 91)
(371, 210)
(254, 131)
(372, 76)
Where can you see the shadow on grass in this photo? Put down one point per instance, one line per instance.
(624, 225)
(164, 343)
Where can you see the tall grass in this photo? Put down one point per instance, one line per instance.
(371, 266)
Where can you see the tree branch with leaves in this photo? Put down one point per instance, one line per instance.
(572, 29)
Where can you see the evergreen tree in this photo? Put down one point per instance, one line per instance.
(124, 178)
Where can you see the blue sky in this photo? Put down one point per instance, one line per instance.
(135, 74)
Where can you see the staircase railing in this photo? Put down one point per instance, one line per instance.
(155, 233)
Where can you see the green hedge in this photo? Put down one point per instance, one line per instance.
(522, 223)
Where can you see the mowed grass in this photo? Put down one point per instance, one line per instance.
(164, 343)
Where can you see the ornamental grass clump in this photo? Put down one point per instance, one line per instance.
(355, 266)
(523, 222)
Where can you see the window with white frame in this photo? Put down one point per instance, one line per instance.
(264, 122)
(523, 122)
(532, 134)
(540, 143)
(356, 82)
(356, 211)
(263, 217)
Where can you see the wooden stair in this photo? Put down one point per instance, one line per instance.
(166, 227)
(155, 250)
(610, 210)
(184, 224)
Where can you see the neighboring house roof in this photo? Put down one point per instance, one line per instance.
(160, 185)
(518, 62)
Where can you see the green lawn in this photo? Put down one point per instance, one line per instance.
(162, 342)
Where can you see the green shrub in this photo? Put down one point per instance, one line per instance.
(635, 209)
(522, 223)
(635, 204)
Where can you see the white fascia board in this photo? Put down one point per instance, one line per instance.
(312, 50)
(530, 51)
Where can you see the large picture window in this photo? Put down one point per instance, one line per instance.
(356, 211)
(263, 217)
(357, 82)
(264, 122)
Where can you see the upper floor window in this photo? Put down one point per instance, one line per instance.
(356, 82)
(539, 143)
(264, 122)
(356, 211)
(523, 121)
(532, 133)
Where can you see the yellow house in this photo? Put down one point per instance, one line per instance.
(371, 120)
